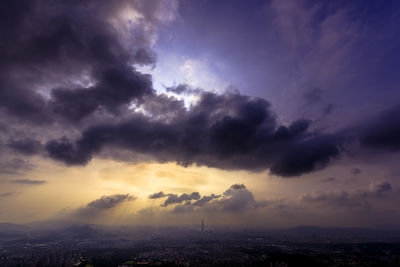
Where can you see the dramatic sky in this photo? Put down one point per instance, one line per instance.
(259, 113)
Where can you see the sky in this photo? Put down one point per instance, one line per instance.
(259, 113)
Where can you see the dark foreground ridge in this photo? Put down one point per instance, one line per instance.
(68, 244)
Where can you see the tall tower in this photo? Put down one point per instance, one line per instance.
(202, 225)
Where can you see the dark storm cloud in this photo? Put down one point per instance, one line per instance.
(116, 86)
(162, 106)
(62, 149)
(22, 103)
(98, 206)
(382, 132)
(71, 65)
(229, 131)
(356, 171)
(29, 181)
(48, 42)
(307, 156)
(26, 146)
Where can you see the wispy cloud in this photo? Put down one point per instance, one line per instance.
(29, 181)
(9, 194)
(105, 203)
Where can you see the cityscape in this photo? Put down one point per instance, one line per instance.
(94, 245)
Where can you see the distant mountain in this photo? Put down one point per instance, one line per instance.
(321, 234)
(12, 231)
(52, 224)
(69, 230)
(11, 227)
(82, 232)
